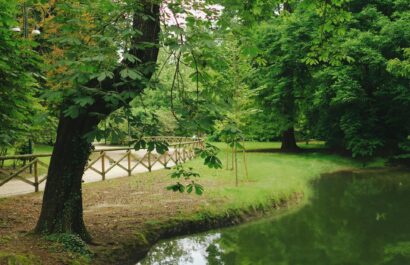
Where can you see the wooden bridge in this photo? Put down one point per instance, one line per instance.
(104, 162)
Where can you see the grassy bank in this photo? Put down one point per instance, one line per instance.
(126, 216)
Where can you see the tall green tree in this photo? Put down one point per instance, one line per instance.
(283, 76)
(360, 105)
(93, 82)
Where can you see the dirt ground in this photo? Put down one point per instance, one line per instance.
(113, 210)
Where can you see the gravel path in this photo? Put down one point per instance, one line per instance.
(17, 187)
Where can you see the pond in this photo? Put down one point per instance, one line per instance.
(350, 219)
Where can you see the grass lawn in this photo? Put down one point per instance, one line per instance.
(43, 149)
(37, 149)
(127, 215)
(273, 175)
(276, 145)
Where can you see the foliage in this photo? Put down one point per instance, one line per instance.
(159, 146)
(209, 154)
(334, 70)
(403, 157)
(183, 174)
(358, 105)
(211, 160)
(70, 242)
(19, 75)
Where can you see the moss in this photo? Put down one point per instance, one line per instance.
(18, 259)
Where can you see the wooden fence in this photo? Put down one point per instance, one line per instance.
(103, 161)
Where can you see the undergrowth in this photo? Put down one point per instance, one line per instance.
(71, 243)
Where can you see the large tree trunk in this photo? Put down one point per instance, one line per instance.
(289, 141)
(62, 210)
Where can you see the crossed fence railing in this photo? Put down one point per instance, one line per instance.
(103, 161)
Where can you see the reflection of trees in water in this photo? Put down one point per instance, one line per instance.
(351, 220)
(192, 250)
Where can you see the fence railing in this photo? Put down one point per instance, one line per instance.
(105, 160)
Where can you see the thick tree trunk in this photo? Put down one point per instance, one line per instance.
(62, 209)
(289, 141)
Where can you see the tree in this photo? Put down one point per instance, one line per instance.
(18, 79)
(95, 92)
(283, 43)
(359, 104)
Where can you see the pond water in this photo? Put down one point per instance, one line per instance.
(350, 219)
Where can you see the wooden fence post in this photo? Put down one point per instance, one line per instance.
(149, 161)
(233, 157)
(177, 155)
(129, 162)
(103, 165)
(227, 156)
(165, 159)
(245, 162)
(236, 165)
(36, 175)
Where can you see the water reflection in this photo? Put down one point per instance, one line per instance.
(350, 220)
(191, 250)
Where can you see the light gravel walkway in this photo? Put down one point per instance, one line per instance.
(16, 187)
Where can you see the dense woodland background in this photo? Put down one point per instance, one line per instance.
(336, 71)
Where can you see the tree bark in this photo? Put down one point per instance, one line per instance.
(62, 209)
(289, 141)
(287, 7)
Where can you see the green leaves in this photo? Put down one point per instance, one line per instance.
(185, 174)
(159, 146)
(209, 154)
(399, 67)
(20, 71)
(181, 172)
(212, 161)
(106, 74)
(199, 189)
(131, 73)
(131, 58)
(177, 187)
(84, 101)
(72, 111)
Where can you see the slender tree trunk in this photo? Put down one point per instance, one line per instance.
(236, 165)
(62, 209)
(288, 136)
(289, 141)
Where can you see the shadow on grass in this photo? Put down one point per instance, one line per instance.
(299, 151)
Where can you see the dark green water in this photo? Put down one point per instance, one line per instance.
(349, 220)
